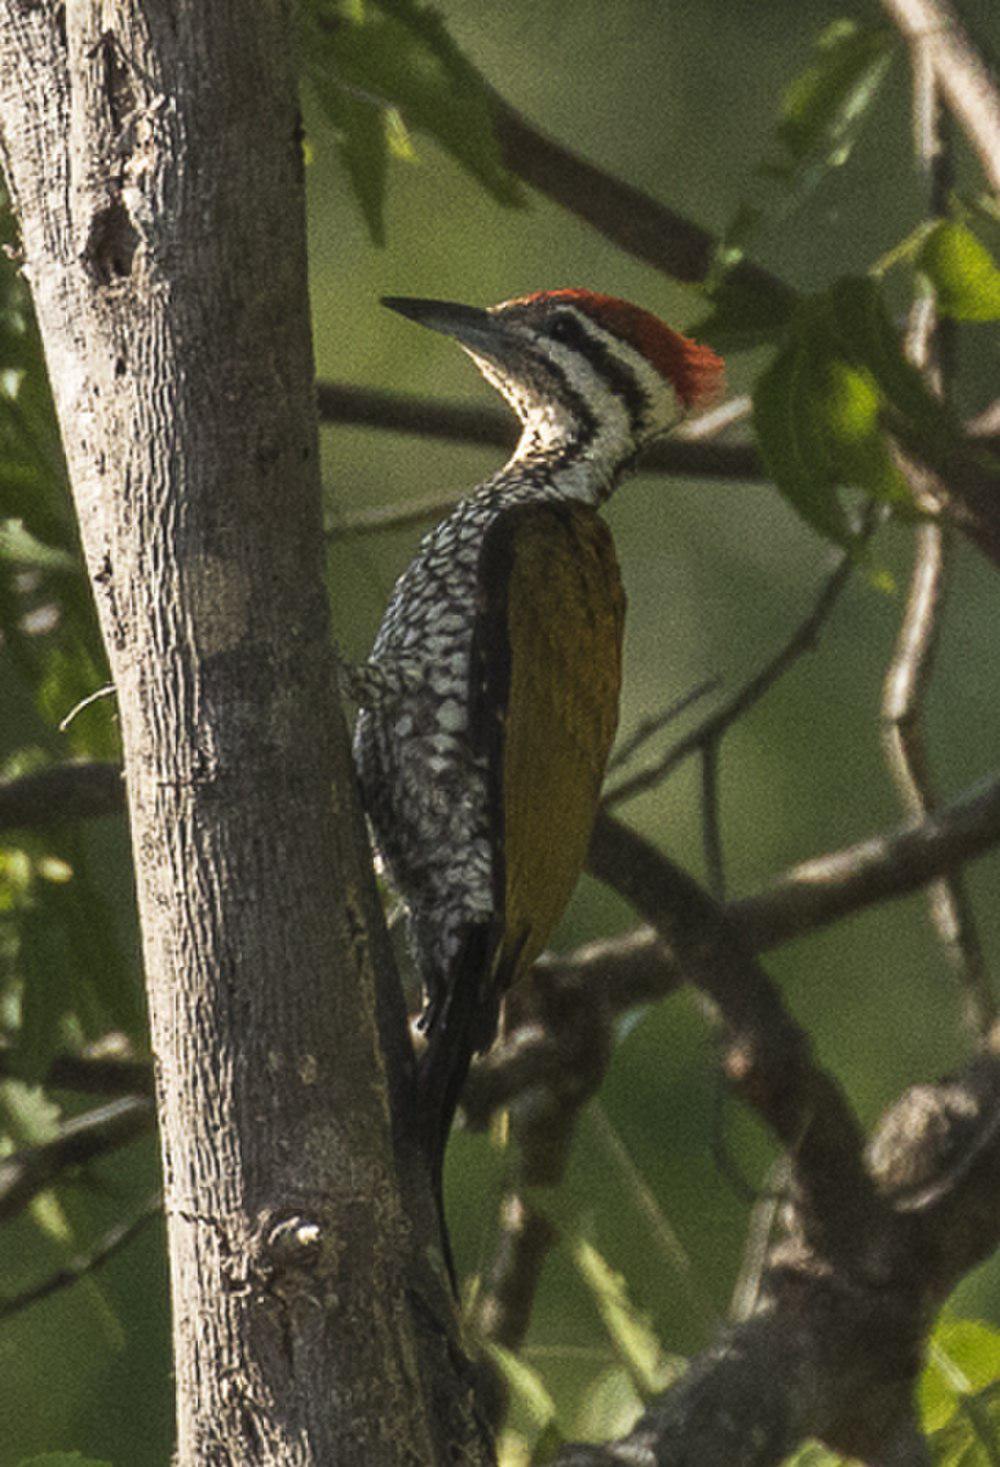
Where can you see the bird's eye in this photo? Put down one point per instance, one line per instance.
(562, 328)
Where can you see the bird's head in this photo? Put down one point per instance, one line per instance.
(577, 365)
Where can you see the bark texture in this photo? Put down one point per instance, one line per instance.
(153, 156)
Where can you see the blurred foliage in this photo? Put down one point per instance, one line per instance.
(683, 105)
(381, 67)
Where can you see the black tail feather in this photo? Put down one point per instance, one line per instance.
(463, 1022)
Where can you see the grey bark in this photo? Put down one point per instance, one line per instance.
(152, 154)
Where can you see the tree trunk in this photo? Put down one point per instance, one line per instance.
(153, 157)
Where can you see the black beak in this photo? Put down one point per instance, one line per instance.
(472, 326)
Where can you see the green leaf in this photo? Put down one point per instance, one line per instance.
(964, 274)
(360, 132)
(628, 1328)
(67, 953)
(822, 407)
(814, 1455)
(819, 121)
(19, 545)
(971, 1438)
(390, 65)
(744, 315)
(610, 1407)
(793, 445)
(822, 109)
(525, 1385)
(959, 1395)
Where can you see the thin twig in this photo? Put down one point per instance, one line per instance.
(760, 1234)
(86, 1263)
(803, 639)
(930, 345)
(902, 709)
(649, 727)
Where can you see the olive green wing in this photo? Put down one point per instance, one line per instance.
(546, 678)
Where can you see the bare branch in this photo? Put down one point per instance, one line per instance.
(806, 898)
(589, 988)
(818, 892)
(931, 347)
(631, 219)
(60, 793)
(767, 1057)
(966, 82)
(902, 710)
(94, 1072)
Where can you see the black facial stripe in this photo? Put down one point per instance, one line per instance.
(621, 381)
(583, 415)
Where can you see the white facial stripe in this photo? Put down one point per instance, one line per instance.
(605, 406)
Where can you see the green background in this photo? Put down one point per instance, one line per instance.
(679, 99)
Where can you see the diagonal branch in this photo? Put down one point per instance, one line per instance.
(818, 892)
(87, 1262)
(767, 1057)
(25, 1173)
(805, 898)
(968, 86)
(634, 221)
(562, 1019)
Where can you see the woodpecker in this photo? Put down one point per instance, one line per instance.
(490, 699)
